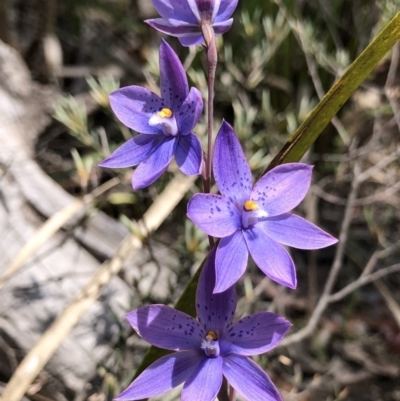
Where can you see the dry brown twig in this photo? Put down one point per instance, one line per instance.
(336, 266)
(363, 280)
(389, 88)
(366, 276)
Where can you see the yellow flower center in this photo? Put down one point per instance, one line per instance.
(250, 205)
(211, 336)
(165, 113)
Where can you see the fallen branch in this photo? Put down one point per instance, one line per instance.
(40, 354)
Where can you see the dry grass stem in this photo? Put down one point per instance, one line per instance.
(389, 299)
(363, 280)
(51, 226)
(336, 266)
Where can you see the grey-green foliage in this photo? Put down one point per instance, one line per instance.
(72, 113)
(264, 82)
(388, 9)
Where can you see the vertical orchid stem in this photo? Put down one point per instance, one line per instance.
(223, 392)
(232, 394)
(211, 51)
(212, 59)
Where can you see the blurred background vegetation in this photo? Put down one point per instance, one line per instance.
(275, 64)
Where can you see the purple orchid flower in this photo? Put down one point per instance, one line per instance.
(165, 124)
(207, 348)
(184, 18)
(254, 219)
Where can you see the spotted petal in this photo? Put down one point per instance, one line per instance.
(231, 261)
(149, 170)
(248, 379)
(214, 311)
(166, 327)
(163, 375)
(292, 230)
(134, 107)
(173, 81)
(231, 170)
(190, 112)
(214, 214)
(133, 152)
(282, 188)
(254, 334)
(189, 154)
(271, 257)
(205, 381)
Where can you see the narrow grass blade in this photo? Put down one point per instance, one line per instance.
(298, 144)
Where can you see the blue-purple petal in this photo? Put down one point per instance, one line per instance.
(134, 105)
(225, 11)
(214, 311)
(230, 261)
(190, 112)
(204, 382)
(189, 154)
(283, 188)
(248, 379)
(191, 40)
(163, 375)
(254, 334)
(231, 170)
(292, 230)
(133, 151)
(152, 168)
(271, 257)
(223, 26)
(214, 214)
(204, 9)
(166, 328)
(175, 9)
(187, 34)
(173, 81)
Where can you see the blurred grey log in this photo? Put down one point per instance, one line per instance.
(146, 9)
(35, 295)
(6, 35)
